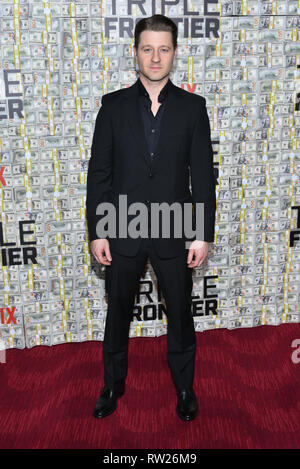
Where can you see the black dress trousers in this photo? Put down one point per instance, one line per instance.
(121, 282)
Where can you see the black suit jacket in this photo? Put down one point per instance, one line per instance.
(120, 163)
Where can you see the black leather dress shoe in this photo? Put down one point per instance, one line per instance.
(187, 406)
(107, 402)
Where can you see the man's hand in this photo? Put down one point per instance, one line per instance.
(199, 249)
(101, 252)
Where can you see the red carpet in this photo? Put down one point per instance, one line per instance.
(247, 385)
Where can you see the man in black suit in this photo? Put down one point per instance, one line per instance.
(150, 140)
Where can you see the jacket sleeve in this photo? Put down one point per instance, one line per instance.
(99, 176)
(202, 171)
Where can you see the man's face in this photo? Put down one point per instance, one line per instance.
(155, 54)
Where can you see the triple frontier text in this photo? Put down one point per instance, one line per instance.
(192, 23)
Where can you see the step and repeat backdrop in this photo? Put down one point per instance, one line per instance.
(57, 58)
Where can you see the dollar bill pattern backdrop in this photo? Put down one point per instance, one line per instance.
(57, 60)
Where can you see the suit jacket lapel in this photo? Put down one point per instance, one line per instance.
(168, 123)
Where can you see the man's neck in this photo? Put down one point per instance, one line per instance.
(153, 87)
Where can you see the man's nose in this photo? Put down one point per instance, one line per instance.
(156, 57)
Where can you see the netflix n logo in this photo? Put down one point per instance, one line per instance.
(12, 255)
(7, 315)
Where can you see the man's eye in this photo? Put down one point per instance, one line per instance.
(147, 50)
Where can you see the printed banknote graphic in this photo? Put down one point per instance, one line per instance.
(57, 60)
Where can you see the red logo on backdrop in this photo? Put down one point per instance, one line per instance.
(9, 316)
(2, 180)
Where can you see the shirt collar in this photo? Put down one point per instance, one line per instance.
(162, 95)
